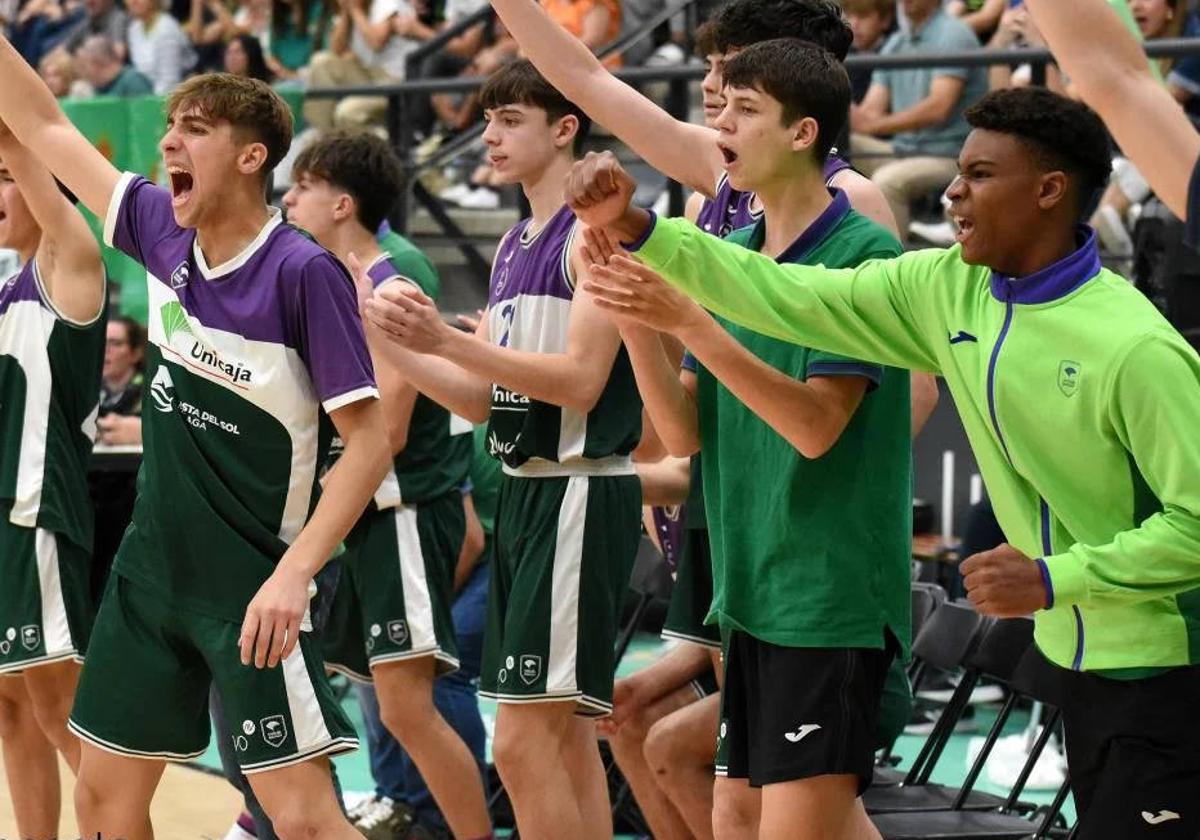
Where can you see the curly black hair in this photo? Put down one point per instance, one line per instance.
(744, 22)
(1063, 134)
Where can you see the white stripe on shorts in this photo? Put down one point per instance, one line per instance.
(56, 632)
(308, 723)
(418, 608)
(564, 587)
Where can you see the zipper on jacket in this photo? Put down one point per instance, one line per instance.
(1077, 662)
(991, 374)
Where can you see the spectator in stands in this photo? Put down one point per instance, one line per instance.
(57, 70)
(298, 29)
(872, 21)
(41, 25)
(981, 15)
(158, 46)
(208, 25)
(104, 17)
(121, 383)
(1017, 29)
(370, 44)
(244, 57)
(99, 62)
(921, 109)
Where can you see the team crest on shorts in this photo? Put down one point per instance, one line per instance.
(398, 631)
(274, 729)
(31, 636)
(531, 668)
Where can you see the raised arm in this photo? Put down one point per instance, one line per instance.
(687, 153)
(1149, 126)
(29, 109)
(68, 256)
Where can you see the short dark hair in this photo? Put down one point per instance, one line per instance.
(805, 79)
(520, 83)
(742, 23)
(1061, 133)
(135, 333)
(360, 163)
(249, 105)
(705, 39)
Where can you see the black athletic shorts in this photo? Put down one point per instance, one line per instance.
(1133, 749)
(794, 713)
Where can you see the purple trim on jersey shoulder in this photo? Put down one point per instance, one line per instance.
(816, 232)
(636, 245)
(688, 362)
(381, 271)
(832, 166)
(21, 286)
(1057, 280)
(536, 267)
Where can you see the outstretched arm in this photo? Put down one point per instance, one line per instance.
(1117, 81)
(681, 151)
(29, 109)
(68, 257)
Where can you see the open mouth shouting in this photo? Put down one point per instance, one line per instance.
(729, 154)
(965, 227)
(181, 185)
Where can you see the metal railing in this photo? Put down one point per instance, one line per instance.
(678, 77)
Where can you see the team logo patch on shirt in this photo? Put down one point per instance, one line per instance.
(274, 729)
(531, 668)
(31, 636)
(1068, 377)
(179, 277)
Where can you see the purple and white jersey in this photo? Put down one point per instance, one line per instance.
(49, 395)
(242, 360)
(731, 209)
(529, 309)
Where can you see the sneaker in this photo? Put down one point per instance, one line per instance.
(935, 233)
(455, 193)
(480, 198)
(364, 805)
(387, 820)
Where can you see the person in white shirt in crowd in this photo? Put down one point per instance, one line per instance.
(370, 42)
(158, 47)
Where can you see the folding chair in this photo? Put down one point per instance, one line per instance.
(998, 650)
(1033, 677)
(926, 597)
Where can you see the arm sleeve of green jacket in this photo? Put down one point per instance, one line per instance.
(1155, 398)
(873, 312)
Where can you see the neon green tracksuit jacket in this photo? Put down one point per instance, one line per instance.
(1081, 402)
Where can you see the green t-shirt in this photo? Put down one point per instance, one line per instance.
(129, 82)
(811, 552)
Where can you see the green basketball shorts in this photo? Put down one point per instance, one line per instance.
(691, 597)
(564, 549)
(46, 609)
(144, 688)
(393, 600)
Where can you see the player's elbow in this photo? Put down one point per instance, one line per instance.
(815, 442)
(397, 437)
(680, 443)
